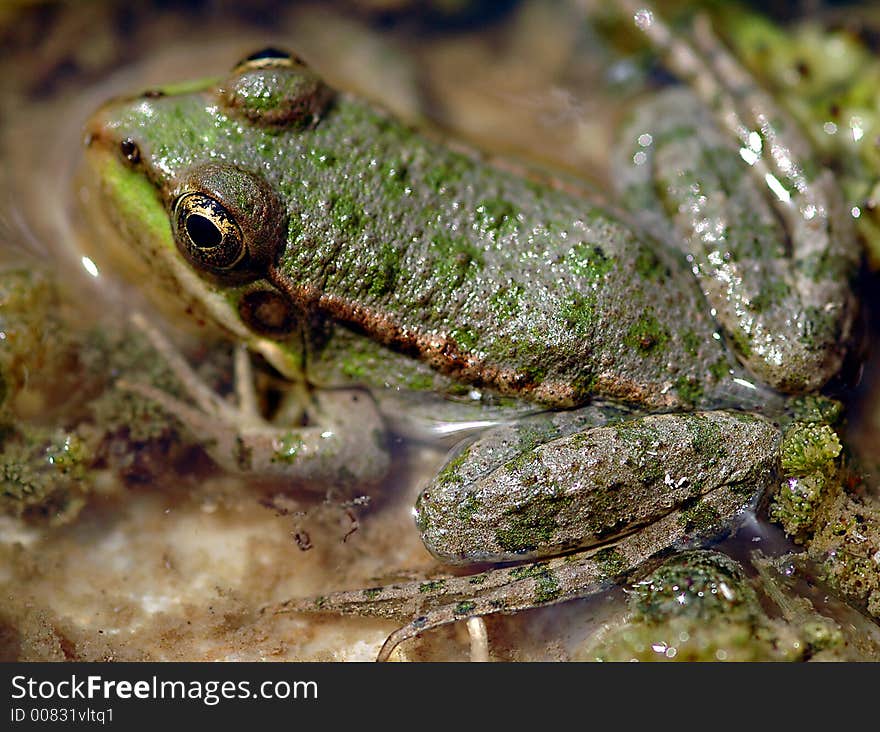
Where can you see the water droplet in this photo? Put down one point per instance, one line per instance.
(644, 19)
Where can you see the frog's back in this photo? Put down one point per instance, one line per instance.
(492, 279)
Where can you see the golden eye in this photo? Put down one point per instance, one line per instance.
(207, 234)
(268, 58)
(227, 222)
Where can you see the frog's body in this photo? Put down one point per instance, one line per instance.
(363, 241)
(420, 249)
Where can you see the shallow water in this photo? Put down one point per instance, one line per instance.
(178, 568)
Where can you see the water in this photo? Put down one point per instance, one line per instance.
(170, 558)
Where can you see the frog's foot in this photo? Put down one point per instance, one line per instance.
(341, 446)
(765, 228)
(450, 599)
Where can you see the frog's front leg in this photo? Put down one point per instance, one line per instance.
(764, 226)
(341, 445)
(613, 490)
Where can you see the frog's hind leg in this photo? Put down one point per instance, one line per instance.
(765, 228)
(624, 489)
(340, 448)
(444, 600)
(581, 575)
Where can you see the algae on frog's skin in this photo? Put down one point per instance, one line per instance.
(546, 585)
(528, 528)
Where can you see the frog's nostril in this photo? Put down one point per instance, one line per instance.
(130, 151)
(97, 134)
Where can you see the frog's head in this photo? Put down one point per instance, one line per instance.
(183, 173)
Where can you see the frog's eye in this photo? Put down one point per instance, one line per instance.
(269, 57)
(272, 88)
(208, 233)
(227, 222)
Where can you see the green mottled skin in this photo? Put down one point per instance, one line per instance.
(788, 313)
(593, 476)
(489, 278)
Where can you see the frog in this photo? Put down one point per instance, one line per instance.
(627, 365)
